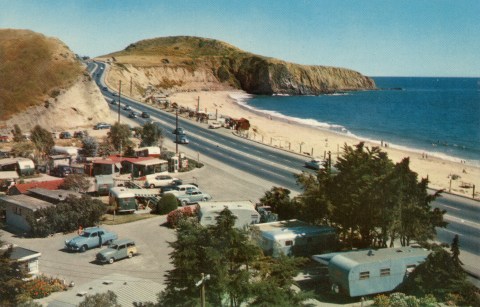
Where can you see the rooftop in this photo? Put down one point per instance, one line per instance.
(25, 201)
(49, 185)
(57, 195)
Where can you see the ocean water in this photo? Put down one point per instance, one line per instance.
(438, 116)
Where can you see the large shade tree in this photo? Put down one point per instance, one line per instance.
(42, 139)
(119, 136)
(370, 199)
(151, 135)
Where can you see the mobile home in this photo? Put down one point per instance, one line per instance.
(23, 166)
(122, 199)
(366, 272)
(294, 238)
(244, 211)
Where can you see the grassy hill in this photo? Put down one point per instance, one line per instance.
(33, 67)
(237, 68)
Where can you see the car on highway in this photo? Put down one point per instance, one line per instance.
(132, 114)
(65, 135)
(179, 130)
(214, 125)
(119, 249)
(153, 181)
(316, 164)
(145, 115)
(181, 139)
(102, 126)
(127, 107)
(104, 88)
(191, 197)
(113, 101)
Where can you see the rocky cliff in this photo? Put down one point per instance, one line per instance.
(191, 63)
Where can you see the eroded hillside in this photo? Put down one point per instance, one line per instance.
(184, 63)
(42, 82)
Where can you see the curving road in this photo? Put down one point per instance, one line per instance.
(279, 167)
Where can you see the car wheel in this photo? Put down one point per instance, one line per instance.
(152, 186)
(108, 242)
(204, 199)
(111, 260)
(130, 255)
(184, 203)
(83, 248)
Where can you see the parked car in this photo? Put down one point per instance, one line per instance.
(132, 114)
(61, 171)
(117, 250)
(127, 107)
(193, 197)
(145, 115)
(102, 126)
(90, 237)
(179, 130)
(65, 135)
(316, 164)
(214, 125)
(154, 181)
(181, 139)
(180, 189)
(80, 134)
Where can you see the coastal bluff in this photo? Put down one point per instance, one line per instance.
(186, 63)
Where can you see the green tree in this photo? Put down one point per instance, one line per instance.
(23, 149)
(443, 278)
(278, 198)
(76, 182)
(42, 139)
(166, 204)
(151, 135)
(90, 146)
(17, 134)
(107, 299)
(11, 279)
(119, 136)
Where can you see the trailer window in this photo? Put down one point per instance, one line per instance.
(365, 275)
(385, 272)
(289, 243)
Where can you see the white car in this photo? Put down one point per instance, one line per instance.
(182, 189)
(214, 125)
(154, 181)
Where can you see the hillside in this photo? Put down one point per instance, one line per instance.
(183, 63)
(42, 82)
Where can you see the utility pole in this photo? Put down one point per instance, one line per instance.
(198, 104)
(131, 86)
(201, 282)
(176, 131)
(119, 98)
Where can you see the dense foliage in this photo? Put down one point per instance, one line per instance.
(235, 265)
(119, 136)
(176, 216)
(151, 135)
(11, 275)
(90, 146)
(107, 299)
(369, 199)
(66, 216)
(76, 182)
(42, 140)
(166, 204)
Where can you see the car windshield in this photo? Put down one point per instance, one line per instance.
(86, 234)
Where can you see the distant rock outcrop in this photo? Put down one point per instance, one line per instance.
(191, 63)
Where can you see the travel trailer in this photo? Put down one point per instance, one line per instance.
(244, 211)
(294, 238)
(365, 272)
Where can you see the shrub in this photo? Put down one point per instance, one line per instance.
(166, 204)
(175, 216)
(43, 286)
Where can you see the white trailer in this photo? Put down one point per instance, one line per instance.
(244, 211)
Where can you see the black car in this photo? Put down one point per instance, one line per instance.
(179, 130)
(132, 114)
(65, 135)
(145, 115)
(61, 171)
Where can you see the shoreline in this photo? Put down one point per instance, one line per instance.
(300, 138)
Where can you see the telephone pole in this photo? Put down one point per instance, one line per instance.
(176, 131)
(119, 98)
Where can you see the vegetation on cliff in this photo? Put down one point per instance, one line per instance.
(32, 68)
(239, 69)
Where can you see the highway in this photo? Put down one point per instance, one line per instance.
(278, 167)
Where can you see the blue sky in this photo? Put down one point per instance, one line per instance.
(375, 37)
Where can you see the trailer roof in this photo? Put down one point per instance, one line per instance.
(217, 206)
(289, 229)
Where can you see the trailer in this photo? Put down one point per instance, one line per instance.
(128, 200)
(23, 166)
(371, 271)
(294, 238)
(244, 211)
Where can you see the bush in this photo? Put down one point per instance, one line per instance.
(175, 216)
(43, 286)
(166, 204)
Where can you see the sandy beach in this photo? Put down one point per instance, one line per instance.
(306, 140)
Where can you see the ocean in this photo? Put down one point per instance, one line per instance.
(437, 116)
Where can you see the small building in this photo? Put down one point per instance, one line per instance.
(294, 238)
(22, 188)
(19, 207)
(151, 151)
(141, 168)
(52, 196)
(244, 211)
(365, 272)
(7, 179)
(28, 259)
